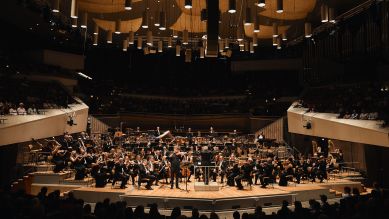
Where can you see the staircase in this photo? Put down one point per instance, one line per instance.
(97, 126)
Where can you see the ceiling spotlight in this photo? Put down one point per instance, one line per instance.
(96, 29)
(109, 36)
(247, 20)
(127, 5)
(308, 30)
(256, 24)
(324, 13)
(203, 15)
(261, 3)
(185, 37)
(74, 9)
(162, 20)
(55, 6)
(188, 4)
(145, 20)
(275, 29)
(280, 6)
(232, 6)
(117, 26)
(175, 34)
(84, 20)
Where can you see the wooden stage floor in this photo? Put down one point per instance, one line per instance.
(226, 198)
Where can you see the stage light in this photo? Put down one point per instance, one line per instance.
(109, 36)
(55, 6)
(128, 5)
(248, 20)
(261, 3)
(188, 4)
(232, 6)
(275, 29)
(280, 6)
(117, 26)
(74, 9)
(308, 30)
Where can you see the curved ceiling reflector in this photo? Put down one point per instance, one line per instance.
(125, 25)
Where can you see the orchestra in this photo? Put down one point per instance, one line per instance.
(157, 156)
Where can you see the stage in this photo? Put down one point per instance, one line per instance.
(224, 199)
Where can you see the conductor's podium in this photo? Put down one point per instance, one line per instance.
(212, 186)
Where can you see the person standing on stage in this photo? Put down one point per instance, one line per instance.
(175, 167)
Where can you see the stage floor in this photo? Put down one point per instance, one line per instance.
(226, 198)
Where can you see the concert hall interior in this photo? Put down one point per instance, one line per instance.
(147, 109)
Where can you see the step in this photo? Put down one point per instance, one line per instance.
(49, 177)
(36, 188)
(86, 182)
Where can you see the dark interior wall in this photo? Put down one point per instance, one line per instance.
(377, 164)
(8, 155)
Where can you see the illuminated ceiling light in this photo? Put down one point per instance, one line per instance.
(84, 20)
(247, 20)
(279, 43)
(162, 20)
(275, 29)
(178, 50)
(324, 13)
(246, 46)
(226, 43)
(74, 9)
(117, 26)
(241, 46)
(74, 22)
(95, 40)
(232, 6)
(331, 15)
(96, 29)
(280, 6)
(55, 6)
(188, 55)
(131, 37)
(188, 4)
(125, 44)
(160, 46)
(128, 5)
(109, 36)
(149, 38)
(185, 37)
(239, 33)
(261, 3)
(169, 42)
(157, 19)
(256, 24)
(251, 47)
(139, 43)
(204, 15)
(145, 19)
(221, 45)
(308, 30)
(175, 34)
(275, 41)
(284, 36)
(146, 51)
(255, 39)
(202, 52)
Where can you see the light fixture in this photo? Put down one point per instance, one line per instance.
(202, 52)
(246, 46)
(128, 5)
(162, 20)
(178, 50)
(74, 22)
(74, 9)
(125, 44)
(226, 43)
(275, 29)
(96, 29)
(241, 46)
(157, 19)
(232, 6)
(239, 33)
(247, 20)
(221, 45)
(261, 3)
(84, 20)
(185, 37)
(256, 24)
(118, 23)
(188, 4)
(279, 43)
(175, 34)
(308, 30)
(169, 42)
(139, 43)
(149, 38)
(146, 51)
(275, 41)
(255, 39)
(331, 15)
(280, 6)
(284, 36)
(251, 47)
(55, 6)
(324, 13)
(95, 40)
(188, 55)
(160, 46)
(204, 15)
(131, 37)
(109, 36)
(145, 19)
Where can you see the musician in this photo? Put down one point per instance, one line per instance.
(245, 173)
(78, 163)
(163, 170)
(120, 173)
(221, 169)
(100, 174)
(206, 157)
(175, 159)
(144, 173)
(235, 171)
(267, 173)
(151, 168)
(189, 135)
(59, 158)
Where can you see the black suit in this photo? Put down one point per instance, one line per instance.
(144, 175)
(206, 157)
(120, 175)
(174, 169)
